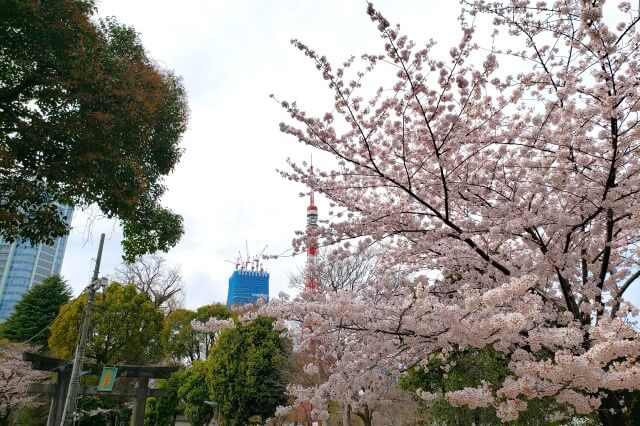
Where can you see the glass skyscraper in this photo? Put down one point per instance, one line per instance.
(23, 265)
(247, 287)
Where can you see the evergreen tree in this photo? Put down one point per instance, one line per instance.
(246, 372)
(35, 312)
(192, 389)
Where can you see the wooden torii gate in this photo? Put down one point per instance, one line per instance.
(58, 390)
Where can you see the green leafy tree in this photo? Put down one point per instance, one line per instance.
(471, 368)
(162, 411)
(85, 117)
(193, 392)
(188, 392)
(179, 338)
(246, 371)
(125, 327)
(182, 341)
(36, 310)
(32, 415)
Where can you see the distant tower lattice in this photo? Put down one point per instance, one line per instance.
(312, 284)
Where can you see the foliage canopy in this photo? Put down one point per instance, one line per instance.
(36, 311)
(246, 371)
(85, 117)
(193, 392)
(470, 368)
(161, 411)
(125, 327)
(182, 341)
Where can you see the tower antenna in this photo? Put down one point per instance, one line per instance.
(312, 284)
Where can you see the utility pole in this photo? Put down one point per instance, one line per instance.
(69, 413)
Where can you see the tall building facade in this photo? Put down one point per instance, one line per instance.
(24, 265)
(247, 286)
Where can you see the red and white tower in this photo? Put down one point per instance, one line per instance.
(312, 284)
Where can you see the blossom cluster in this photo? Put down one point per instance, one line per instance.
(509, 202)
(213, 325)
(15, 377)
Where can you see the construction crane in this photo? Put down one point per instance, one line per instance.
(249, 262)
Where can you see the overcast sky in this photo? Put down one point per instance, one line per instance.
(232, 55)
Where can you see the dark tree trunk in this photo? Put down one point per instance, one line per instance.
(366, 416)
(346, 415)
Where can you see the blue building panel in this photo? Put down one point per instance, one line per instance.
(247, 287)
(24, 265)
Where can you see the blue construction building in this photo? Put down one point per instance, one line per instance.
(247, 286)
(24, 265)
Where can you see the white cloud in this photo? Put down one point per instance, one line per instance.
(232, 55)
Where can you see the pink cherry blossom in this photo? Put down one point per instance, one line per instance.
(500, 188)
(15, 377)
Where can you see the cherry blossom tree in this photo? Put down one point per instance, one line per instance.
(511, 197)
(368, 394)
(15, 376)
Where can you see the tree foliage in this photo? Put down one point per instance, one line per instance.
(188, 392)
(521, 181)
(125, 327)
(246, 371)
(469, 368)
(193, 391)
(182, 341)
(162, 411)
(35, 312)
(85, 117)
(32, 415)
